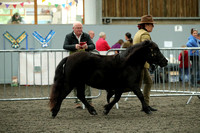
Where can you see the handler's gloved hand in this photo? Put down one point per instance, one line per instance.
(152, 68)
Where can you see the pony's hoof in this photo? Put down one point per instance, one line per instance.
(105, 112)
(54, 114)
(93, 112)
(106, 109)
(108, 101)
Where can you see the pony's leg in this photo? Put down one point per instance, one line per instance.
(109, 106)
(140, 96)
(61, 95)
(110, 93)
(81, 96)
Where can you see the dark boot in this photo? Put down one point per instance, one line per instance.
(152, 109)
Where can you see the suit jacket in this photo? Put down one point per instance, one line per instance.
(141, 36)
(71, 41)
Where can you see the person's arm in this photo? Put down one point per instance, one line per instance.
(68, 43)
(189, 44)
(124, 45)
(89, 43)
(106, 44)
(145, 37)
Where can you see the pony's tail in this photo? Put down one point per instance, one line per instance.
(58, 83)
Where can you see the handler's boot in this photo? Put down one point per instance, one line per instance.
(152, 109)
(146, 93)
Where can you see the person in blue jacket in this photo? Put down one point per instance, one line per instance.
(194, 56)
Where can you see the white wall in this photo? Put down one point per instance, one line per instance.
(90, 11)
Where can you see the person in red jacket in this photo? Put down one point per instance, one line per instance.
(101, 44)
(184, 65)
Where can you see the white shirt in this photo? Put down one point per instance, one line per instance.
(79, 38)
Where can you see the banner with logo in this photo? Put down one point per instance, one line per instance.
(44, 41)
(15, 41)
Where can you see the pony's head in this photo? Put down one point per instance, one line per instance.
(154, 56)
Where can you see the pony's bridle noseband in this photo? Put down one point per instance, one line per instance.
(153, 55)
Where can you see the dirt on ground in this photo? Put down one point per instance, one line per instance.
(173, 116)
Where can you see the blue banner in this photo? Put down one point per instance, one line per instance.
(44, 41)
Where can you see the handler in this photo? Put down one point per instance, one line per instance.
(73, 44)
(145, 27)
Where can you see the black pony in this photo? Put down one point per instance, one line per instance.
(112, 73)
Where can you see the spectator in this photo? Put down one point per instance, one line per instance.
(101, 44)
(129, 40)
(16, 19)
(72, 43)
(91, 33)
(184, 65)
(145, 27)
(194, 56)
(118, 45)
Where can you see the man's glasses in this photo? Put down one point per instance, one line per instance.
(78, 28)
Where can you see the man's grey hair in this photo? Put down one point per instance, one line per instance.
(90, 31)
(101, 34)
(76, 22)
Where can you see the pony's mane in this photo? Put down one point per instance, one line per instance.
(132, 49)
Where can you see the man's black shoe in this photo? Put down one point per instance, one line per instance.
(152, 109)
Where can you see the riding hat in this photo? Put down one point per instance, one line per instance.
(146, 19)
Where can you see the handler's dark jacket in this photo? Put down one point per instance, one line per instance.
(71, 41)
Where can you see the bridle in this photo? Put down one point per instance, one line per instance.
(152, 56)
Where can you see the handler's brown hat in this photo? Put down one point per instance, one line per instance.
(146, 19)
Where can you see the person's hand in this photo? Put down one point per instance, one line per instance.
(85, 46)
(152, 68)
(193, 51)
(198, 37)
(78, 46)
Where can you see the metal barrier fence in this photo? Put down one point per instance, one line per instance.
(167, 81)
(28, 74)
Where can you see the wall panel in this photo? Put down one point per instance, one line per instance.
(158, 8)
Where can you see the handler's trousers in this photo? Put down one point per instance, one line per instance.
(87, 93)
(146, 79)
